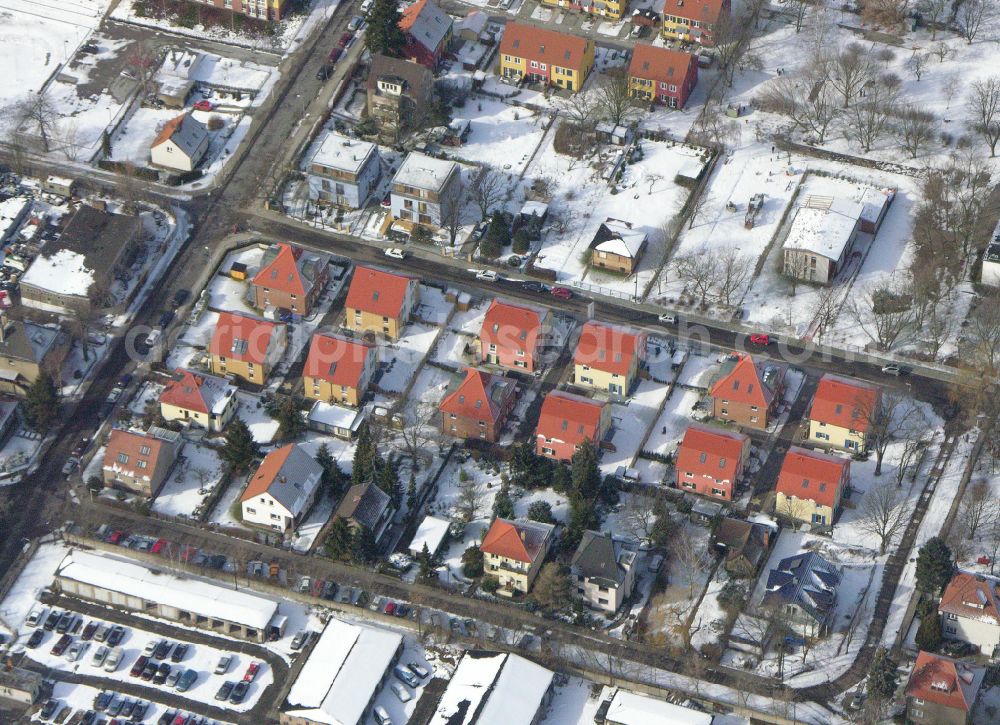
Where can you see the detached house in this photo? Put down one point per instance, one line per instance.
(200, 400)
(282, 490)
(399, 96)
(811, 485)
(942, 691)
(566, 421)
(603, 571)
(512, 336)
(366, 506)
(538, 55)
(477, 405)
(711, 461)
(743, 545)
(841, 412)
(245, 347)
(140, 462)
(970, 611)
(662, 75)
(803, 590)
(428, 31)
(610, 9)
(344, 172)
(380, 302)
(747, 393)
(616, 246)
(290, 279)
(694, 21)
(26, 351)
(607, 358)
(513, 552)
(338, 370)
(426, 190)
(180, 145)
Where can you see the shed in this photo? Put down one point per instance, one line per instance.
(432, 532)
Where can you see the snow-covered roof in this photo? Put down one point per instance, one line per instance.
(12, 210)
(618, 238)
(336, 416)
(431, 531)
(64, 273)
(468, 686)
(826, 232)
(425, 172)
(342, 153)
(535, 208)
(628, 708)
(475, 21)
(517, 693)
(156, 585)
(342, 673)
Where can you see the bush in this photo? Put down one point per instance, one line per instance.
(216, 123)
(490, 585)
(490, 248)
(421, 234)
(521, 242)
(472, 562)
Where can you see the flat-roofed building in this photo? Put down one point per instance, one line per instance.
(344, 171)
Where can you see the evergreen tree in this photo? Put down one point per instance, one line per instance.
(934, 566)
(41, 404)
(498, 232)
(472, 562)
(503, 506)
(552, 588)
(929, 632)
(340, 540)
(363, 547)
(291, 424)
(426, 563)
(541, 511)
(562, 482)
(95, 484)
(331, 471)
(240, 448)
(411, 493)
(582, 516)
(388, 481)
(365, 457)
(663, 526)
(585, 473)
(881, 676)
(383, 34)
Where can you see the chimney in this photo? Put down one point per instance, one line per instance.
(282, 479)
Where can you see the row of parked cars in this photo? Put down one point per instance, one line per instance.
(412, 674)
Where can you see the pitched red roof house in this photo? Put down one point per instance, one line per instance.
(290, 279)
(710, 461)
(747, 392)
(679, 16)
(380, 293)
(566, 421)
(428, 31)
(972, 596)
(520, 541)
(843, 402)
(667, 74)
(337, 360)
(207, 400)
(244, 338)
(813, 476)
(140, 461)
(511, 334)
(477, 405)
(541, 44)
(944, 682)
(608, 348)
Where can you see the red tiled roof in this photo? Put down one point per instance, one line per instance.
(811, 475)
(185, 393)
(239, 337)
(711, 452)
(541, 44)
(266, 472)
(283, 272)
(968, 595)
(472, 396)
(410, 14)
(511, 327)
(569, 418)
(944, 681)
(377, 292)
(337, 360)
(844, 403)
(131, 444)
(608, 348)
(661, 65)
(167, 132)
(503, 539)
(743, 384)
(705, 11)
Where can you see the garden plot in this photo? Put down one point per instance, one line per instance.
(404, 357)
(132, 141)
(451, 348)
(630, 422)
(225, 293)
(688, 570)
(502, 136)
(194, 477)
(192, 345)
(582, 197)
(251, 409)
(433, 308)
(666, 434)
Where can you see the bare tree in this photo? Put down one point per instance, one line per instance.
(984, 105)
(488, 189)
(888, 417)
(981, 339)
(699, 272)
(471, 497)
(614, 99)
(915, 129)
(868, 119)
(805, 101)
(416, 434)
(142, 60)
(825, 309)
(932, 11)
(917, 63)
(885, 12)
(580, 109)
(884, 312)
(908, 460)
(733, 35)
(979, 510)
(969, 18)
(849, 70)
(714, 128)
(799, 10)
(39, 112)
(883, 514)
(735, 270)
(639, 515)
(942, 51)
(453, 211)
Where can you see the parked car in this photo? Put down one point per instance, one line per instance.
(161, 673)
(401, 692)
(406, 676)
(324, 72)
(251, 673)
(113, 659)
(99, 656)
(149, 671)
(127, 708)
(52, 620)
(300, 639)
(103, 629)
(239, 692)
(334, 55)
(167, 717)
(669, 318)
(37, 617)
(390, 608)
(203, 105)
(61, 645)
(173, 677)
(116, 635)
(75, 651)
(162, 650)
(760, 338)
(166, 318)
(486, 275)
(187, 680)
(139, 665)
(65, 622)
(139, 711)
(895, 370)
(381, 715)
(401, 610)
(89, 718)
(225, 691)
(151, 647)
(356, 23)
(50, 709)
(35, 639)
(395, 253)
(418, 669)
(89, 631)
(222, 667)
(102, 700)
(366, 6)
(179, 653)
(345, 39)
(561, 293)
(181, 296)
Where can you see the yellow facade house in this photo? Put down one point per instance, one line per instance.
(545, 56)
(379, 302)
(607, 358)
(246, 347)
(513, 552)
(610, 9)
(841, 413)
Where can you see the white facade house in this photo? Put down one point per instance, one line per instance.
(344, 171)
(970, 611)
(991, 261)
(181, 145)
(282, 490)
(425, 189)
(821, 237)
(603, 571)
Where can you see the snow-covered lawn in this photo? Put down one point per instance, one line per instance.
(500, 135)
(404, 357)
(251, 409)
(133, 139)
(667, 433)
(630, 422)
(192, 480)
(225, 293)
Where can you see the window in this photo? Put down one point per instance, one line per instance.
(122, 458)
(718, 492)
(141, 464)
(275, 517)
(950, 629)
(143, 450)
(250, 510)
(917, 701)
(688, 474)
(916, 713)
(534, 64)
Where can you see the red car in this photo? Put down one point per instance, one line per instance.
(345, 39)
(251, 672)
(561, 293)
(759, 338)
(116, 537)
(390, 608)
(335, 55)
(158, 546)
(203, 106)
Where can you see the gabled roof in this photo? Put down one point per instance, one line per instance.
(337, 360)
(704, 11)
(365, 503)
(186, 133)
(378, 292)
(739, 537)
(844, 402)
(426, 23)
(569, 418)
(602, 559)
(517, 540)
(608, 348)
(741, 380)
(289, 269)
(418, 80)
(289, 475)
(241, 337)
(549, 46)
(945, 682)
(972, 596)
(708, 451)
(478, 394)
(812, 475)
(198, 392)
(511, 327)
(808, 580)
(660, 65)
(25, 340)
(127, 448)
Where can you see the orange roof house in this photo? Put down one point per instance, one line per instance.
(513, 552)
(202, 400)
(338, 369)
(379, 301)
(747, 392)
(841, 412)
(511, 336)
(477, 405)
(811, 484)
(970, 611)
(662, 75)
(181, 144)
(290, 279)
(545, 56)
(694, 20)
(566, 421)
(607, 357)
(711, 461)
(942, 690)
(140, 462)
(245, 346)
(282, 489)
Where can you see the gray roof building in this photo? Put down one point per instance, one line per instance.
(804, 586)
(366, 505)
(602, 559)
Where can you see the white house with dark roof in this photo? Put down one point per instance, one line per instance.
(343, 171)
(282, 490)
(181, 144)
(603, 571)
(424, 189)
(803, 590)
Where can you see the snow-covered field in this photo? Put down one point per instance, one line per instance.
(505, 137)
(192, 480)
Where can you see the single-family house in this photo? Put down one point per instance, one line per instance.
(476, 405)
(344, 172)
(399, 96)
(513, 552)
(181, 144)
(338, 370)
(260, 10)
(366, 506)
(810, 486)
(711, 461)
(841, 413)
(290, 279)
(942, 691)
(990, 273)
(746, 392)
(743, 545)
(199, 400)
(970, 611)
(540, 55)
(694, 21)
(380, 302)
(245, 347)
(607, 358)
(603, 570)
(140, 462)
(426, 190)
(282, 490)
(27, 350)
(662, 75)
(802, 590)
(820, 238)
(566, 421)
(428, 31)
(616, 246)
(512, 336)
